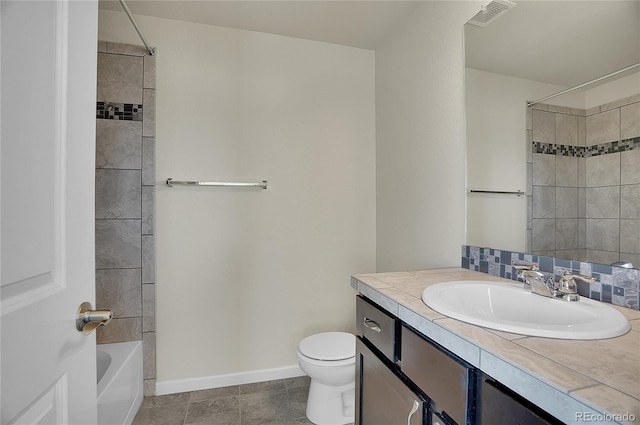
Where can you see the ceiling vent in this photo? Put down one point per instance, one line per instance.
(490, 12)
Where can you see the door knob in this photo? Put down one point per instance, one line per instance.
(88, 320)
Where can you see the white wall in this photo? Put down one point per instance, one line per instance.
(496, 154)
(243, 275)
(420, 139)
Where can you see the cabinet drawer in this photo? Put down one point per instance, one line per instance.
(377, 326)
(445, 380)
(499, 405)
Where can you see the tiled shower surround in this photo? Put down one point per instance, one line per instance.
(614, 285)
(125, 178)
(583, 181)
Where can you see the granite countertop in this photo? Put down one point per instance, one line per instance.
(576, 381)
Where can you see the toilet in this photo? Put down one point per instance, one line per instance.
(329, 358)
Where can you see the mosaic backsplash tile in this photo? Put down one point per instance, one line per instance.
(614, 285)
(586, 151)
(118, 111)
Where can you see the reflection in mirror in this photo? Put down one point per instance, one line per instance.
(577, 156)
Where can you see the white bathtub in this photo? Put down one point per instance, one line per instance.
(120, 384)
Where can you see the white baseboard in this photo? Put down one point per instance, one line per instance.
(206, 382)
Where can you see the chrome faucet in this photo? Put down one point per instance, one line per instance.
(544, 284)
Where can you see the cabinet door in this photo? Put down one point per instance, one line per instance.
(382, 398)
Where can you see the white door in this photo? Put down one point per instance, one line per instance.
(47, 120)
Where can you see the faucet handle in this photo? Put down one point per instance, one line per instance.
(525, 266)
(567, 284)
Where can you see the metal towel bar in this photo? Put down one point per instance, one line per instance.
(171, 183)
(501, 192)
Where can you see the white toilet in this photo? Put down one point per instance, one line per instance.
(329, 359)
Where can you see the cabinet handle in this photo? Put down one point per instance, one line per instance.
(414, 409)
(371, 325)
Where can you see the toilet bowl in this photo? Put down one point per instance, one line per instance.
(329, 359)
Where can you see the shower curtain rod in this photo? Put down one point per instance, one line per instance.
(151, 50)
(620, 71)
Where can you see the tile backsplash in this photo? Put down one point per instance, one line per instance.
(615, 285)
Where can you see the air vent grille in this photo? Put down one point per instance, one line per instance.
(491, 12)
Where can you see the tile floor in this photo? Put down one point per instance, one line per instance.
(280, 402)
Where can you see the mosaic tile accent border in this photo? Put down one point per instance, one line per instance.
(586, 151)
(118, 111)
(614, 285)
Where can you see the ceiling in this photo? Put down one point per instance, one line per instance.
(360, 24)
(558, 42)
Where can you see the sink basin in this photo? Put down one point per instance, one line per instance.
(509, 307)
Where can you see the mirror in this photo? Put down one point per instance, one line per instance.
(577, 156)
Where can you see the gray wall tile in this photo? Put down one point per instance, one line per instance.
(120, 291)
(602, 257)
(603, 170)
(566, 234)
(148, 161)
(118, 144)
(148, 259)
(126, 49)
(120, 330)
(118, 244)
(582, 172)
(630, 167)
(148, 307)
(603, 127)
(544, 127)
(603, 202)
(544, 202)
(630, 121)
(149, 63)
(603, 234)
(544, 170)
(582, 202)
(565, 110)
(630, 201)
(149, 354)
(632, 258)
(150, 390)
(566, 202)
(566, 171)
(630, 236)
(148, 210)
(119, 78)
(529, 118)
(566, 129)
(149, 113)
(543, 234)
(582, 131)
(102, 46)
(582, 235)
(118, 194)
(620, 102)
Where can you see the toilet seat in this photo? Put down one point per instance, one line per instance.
(328, 346)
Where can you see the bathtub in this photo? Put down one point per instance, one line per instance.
(120, 384)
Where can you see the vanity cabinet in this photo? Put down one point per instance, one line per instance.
(403, 377)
